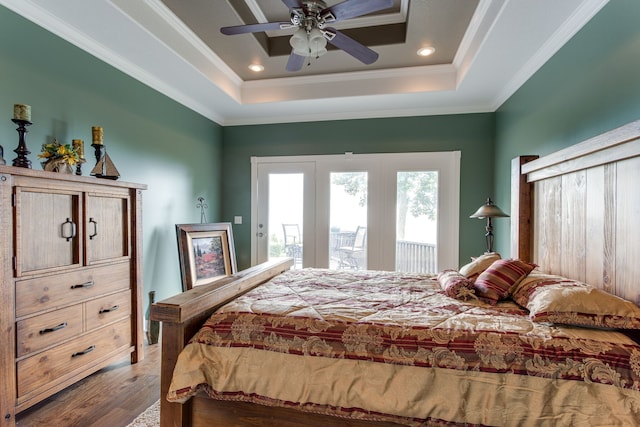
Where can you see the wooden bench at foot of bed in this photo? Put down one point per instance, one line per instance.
(183, 314)
(208, 412)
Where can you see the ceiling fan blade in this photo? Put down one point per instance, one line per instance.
(352, 8)
(295, 62)
(349, 45)
(255, 28)
(292, 4)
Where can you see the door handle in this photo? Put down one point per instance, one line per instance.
(72, 232)
(95, 228)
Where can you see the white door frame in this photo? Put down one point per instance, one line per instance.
(277, 165)
(382, 169)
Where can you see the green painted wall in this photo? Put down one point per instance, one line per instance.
(472, 134)
(151, 139)
(590, 86)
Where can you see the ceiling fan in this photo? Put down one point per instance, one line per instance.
(311, 17)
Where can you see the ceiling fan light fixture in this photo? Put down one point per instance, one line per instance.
(309, 18)
(299, 42)
(317, 43)
(426, 51)
(306, 44)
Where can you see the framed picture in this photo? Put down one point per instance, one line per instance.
(206, 252)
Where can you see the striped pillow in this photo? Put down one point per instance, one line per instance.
(494, 283)
(456, 285)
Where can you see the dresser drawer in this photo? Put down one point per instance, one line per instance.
(44, 369)
(36, 333)
(107, 309)
(57, 290)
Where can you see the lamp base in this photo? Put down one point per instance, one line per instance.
(489, 236)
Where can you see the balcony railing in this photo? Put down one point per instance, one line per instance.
(411, 257)
(415, 257)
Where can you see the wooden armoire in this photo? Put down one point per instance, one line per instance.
(70, 281)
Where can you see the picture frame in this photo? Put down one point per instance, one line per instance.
(206, 253)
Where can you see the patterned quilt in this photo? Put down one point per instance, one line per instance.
(391, 346)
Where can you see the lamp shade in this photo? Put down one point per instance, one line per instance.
(317, 43)
(299, 42)
(488, 210)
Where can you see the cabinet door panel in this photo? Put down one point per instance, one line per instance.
(47, 230)
(107, 227)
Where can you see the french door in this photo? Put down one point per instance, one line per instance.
(283, 219)
(373, 211)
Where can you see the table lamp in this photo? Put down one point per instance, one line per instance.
(489, 210)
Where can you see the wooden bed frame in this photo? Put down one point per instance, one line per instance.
(583, 224)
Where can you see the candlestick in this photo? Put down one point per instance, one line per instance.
(22, 151)
(97, 134)
(98, 151)
(78, 145)
(22, 112)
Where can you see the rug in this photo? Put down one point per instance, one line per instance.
(149, 418)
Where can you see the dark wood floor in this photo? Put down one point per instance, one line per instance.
(112, 397)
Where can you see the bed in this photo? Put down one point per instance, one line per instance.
(480, 359)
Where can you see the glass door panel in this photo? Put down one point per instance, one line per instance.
(286, 223)
(417, 221)
(284, 212)
(348, 220)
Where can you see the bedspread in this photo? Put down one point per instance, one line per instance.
(391, 346)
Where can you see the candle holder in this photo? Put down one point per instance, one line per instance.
(98, 151)
(22, 151)
(79, 166)
(78, 146)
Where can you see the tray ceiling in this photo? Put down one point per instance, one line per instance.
(484, 51)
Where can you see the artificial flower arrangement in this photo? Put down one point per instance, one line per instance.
(56, 151)
(58, 157)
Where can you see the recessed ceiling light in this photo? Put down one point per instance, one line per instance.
(426, 51)
(256, 68)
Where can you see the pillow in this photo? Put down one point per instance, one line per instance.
(522, 291)
(478, 265)
(570, 302)
(455, 285)
(493, 284)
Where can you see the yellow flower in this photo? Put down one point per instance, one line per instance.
(55, 151)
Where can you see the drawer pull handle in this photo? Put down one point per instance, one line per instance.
(95, 228)
(83, 352)
(64, 227)
(108, 310)
(55, 328)
(83, 285)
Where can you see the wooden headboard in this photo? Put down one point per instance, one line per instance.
(576, 212)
